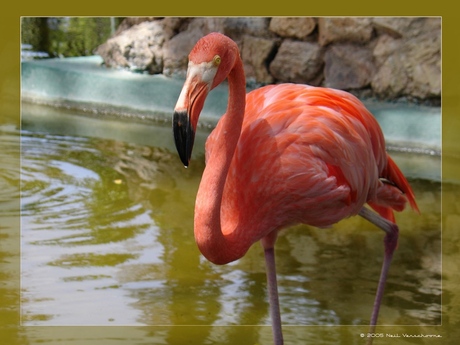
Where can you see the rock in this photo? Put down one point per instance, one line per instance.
(126, 50)
(391, 79)
(206, 24)
(112, 53)
(173, 24)
(256, 53)
(131, 21)
(409, 67)
(297, 27)
(424, 56)
(237, 27)
(348, 66)
(385, 46)
(344, 29)
(305, 68)
(396, 27)
(407, 27)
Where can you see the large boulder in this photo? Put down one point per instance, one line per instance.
(348, 66)
(408, 67)
(344, 29)
(256, 54)
(127, 50)
(297, 27)
(306, 67)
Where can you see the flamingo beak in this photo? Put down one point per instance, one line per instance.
(184, 136)
(186, 114)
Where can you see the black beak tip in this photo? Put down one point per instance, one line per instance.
(184, 136)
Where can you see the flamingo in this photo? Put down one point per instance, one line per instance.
(282, 155)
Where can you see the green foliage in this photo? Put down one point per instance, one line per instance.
(66, 36)
(35, 31)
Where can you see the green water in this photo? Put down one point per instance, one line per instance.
(106, 239)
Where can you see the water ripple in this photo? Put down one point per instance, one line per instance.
(76, 214)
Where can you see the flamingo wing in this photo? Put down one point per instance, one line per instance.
(304, 152)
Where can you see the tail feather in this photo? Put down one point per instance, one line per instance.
(394, 174)
(393, 195)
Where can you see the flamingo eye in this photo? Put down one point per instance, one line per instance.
(216, 60)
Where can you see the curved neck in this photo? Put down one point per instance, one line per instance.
(213, 244)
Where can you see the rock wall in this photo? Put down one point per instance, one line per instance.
(385, 57)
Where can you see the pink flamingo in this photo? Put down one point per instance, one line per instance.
(281, 155)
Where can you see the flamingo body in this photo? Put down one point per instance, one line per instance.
(305, 155)
(281, 155)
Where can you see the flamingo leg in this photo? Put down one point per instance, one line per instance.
(390, 242)
(273, 295)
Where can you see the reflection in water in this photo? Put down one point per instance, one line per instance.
(107, 240)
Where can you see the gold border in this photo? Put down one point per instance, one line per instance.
(12, 333)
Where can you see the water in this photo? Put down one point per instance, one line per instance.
(107, 240)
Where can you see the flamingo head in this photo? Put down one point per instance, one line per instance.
(210, 62)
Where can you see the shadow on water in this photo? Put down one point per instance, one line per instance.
(107, 239)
